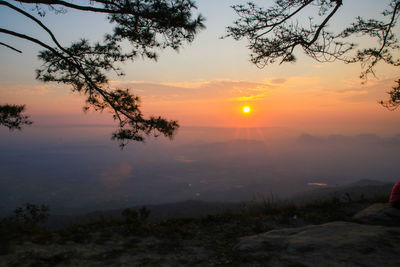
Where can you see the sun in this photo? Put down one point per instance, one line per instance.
(246, 109)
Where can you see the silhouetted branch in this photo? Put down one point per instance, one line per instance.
(9, 46)
(4, 3)
(147, 25)
(74, 6)
(273, 33)
(389, 27)
(29, 38)
(121, 102)
(12, 118)
(394, 98)
(323, 24)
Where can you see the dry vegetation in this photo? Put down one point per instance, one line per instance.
(134, 240)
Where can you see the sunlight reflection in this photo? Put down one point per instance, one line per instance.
(114, 176)
(317, 184)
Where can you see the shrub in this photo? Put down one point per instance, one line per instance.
(32, 215)
(24, 224)
(133, 217)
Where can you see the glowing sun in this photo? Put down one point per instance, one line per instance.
(246, 109)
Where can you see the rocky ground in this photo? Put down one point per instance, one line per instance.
(330, 244)
(326, 234)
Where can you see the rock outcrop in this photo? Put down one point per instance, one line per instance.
(331, 244)
(379, 214)
(212, 241)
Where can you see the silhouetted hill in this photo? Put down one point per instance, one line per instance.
(189, 208)
(194, 208)
(357, 190)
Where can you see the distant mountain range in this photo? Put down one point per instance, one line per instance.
(365, 187)
(195, 208)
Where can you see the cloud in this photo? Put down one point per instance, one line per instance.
(250, 98)
(183, 159)
(372, 91)
(217, 89)
(279, 80)
(358, 91)
(25, 90)
(317, 184)
(317, 66)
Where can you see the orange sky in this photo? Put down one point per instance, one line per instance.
(208, 82)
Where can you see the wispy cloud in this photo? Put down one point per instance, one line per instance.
(317, 184)
(371, 91)
(183, 159)
(250, 98)
(218, 89)
(25, 90)
(278, 81)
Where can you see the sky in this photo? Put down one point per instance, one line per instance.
(207, 82)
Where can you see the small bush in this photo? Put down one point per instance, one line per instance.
(32, 215)
(131, 216)
(144, 213)
(25, 224)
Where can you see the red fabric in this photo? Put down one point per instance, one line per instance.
(395, 196)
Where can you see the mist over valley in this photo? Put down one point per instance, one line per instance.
(76, 170)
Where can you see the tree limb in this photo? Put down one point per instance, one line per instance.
(29, 38)
(78, 7)
(94, 86)
(389, 27)
(285, 19)
(273, 34)
(12, 48)
(148, 26)
(322, 25)
(4, 3)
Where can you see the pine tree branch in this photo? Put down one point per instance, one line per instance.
(323, 24)
(77, 7)
(12, 48)
(4, 3)
(94, 86)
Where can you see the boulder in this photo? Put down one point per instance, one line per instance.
(331, 244)
(379, 214)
